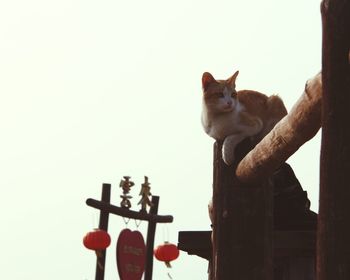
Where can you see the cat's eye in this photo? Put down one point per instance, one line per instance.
(219, 94)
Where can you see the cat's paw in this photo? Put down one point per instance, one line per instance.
(211, 211)
(228, 153)
(229, 146)
(228, 157)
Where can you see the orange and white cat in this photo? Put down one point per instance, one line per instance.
(231, 116)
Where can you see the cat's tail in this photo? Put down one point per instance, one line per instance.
(276, 108)
(276, 111)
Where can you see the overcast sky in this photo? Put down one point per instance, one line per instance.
(94, 90)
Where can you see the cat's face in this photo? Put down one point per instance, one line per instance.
(219, 96)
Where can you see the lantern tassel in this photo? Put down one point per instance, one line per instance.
(168, 265)
(99, 255)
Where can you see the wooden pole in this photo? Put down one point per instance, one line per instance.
(299, 126)
(242, 226)
(103, 224)
(333, 244)
(150, 239)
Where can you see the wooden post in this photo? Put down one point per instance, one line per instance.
(103, 224)
(242, 226)
(333, 244)
(150, 239)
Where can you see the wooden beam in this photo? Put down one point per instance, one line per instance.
(299, 126)
(127, 213)
(333, 239)
(295, 243)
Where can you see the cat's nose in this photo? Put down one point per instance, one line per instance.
(229, 102)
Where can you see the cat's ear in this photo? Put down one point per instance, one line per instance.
(207, 79)
(232, 80)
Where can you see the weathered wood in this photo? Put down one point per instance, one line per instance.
(196, 243)
(242, 226)
(294, 243)
(127, 213)
(103, 224)
(150, 239)
(333, 245)
(286, 244)
(299, 126)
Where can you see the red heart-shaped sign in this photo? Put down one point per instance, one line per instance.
(131, 255)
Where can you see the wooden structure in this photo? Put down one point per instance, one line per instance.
(152, 217)
(333, 239)
(244, 245)
(243, 226)
(293, 251)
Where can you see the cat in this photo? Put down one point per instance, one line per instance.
(231, 116)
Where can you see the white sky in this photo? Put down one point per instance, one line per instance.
(94, 90)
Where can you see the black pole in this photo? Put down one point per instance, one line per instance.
(150, 239)
(103, 224)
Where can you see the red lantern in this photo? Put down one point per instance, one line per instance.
(166, 252)
(97, 240)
